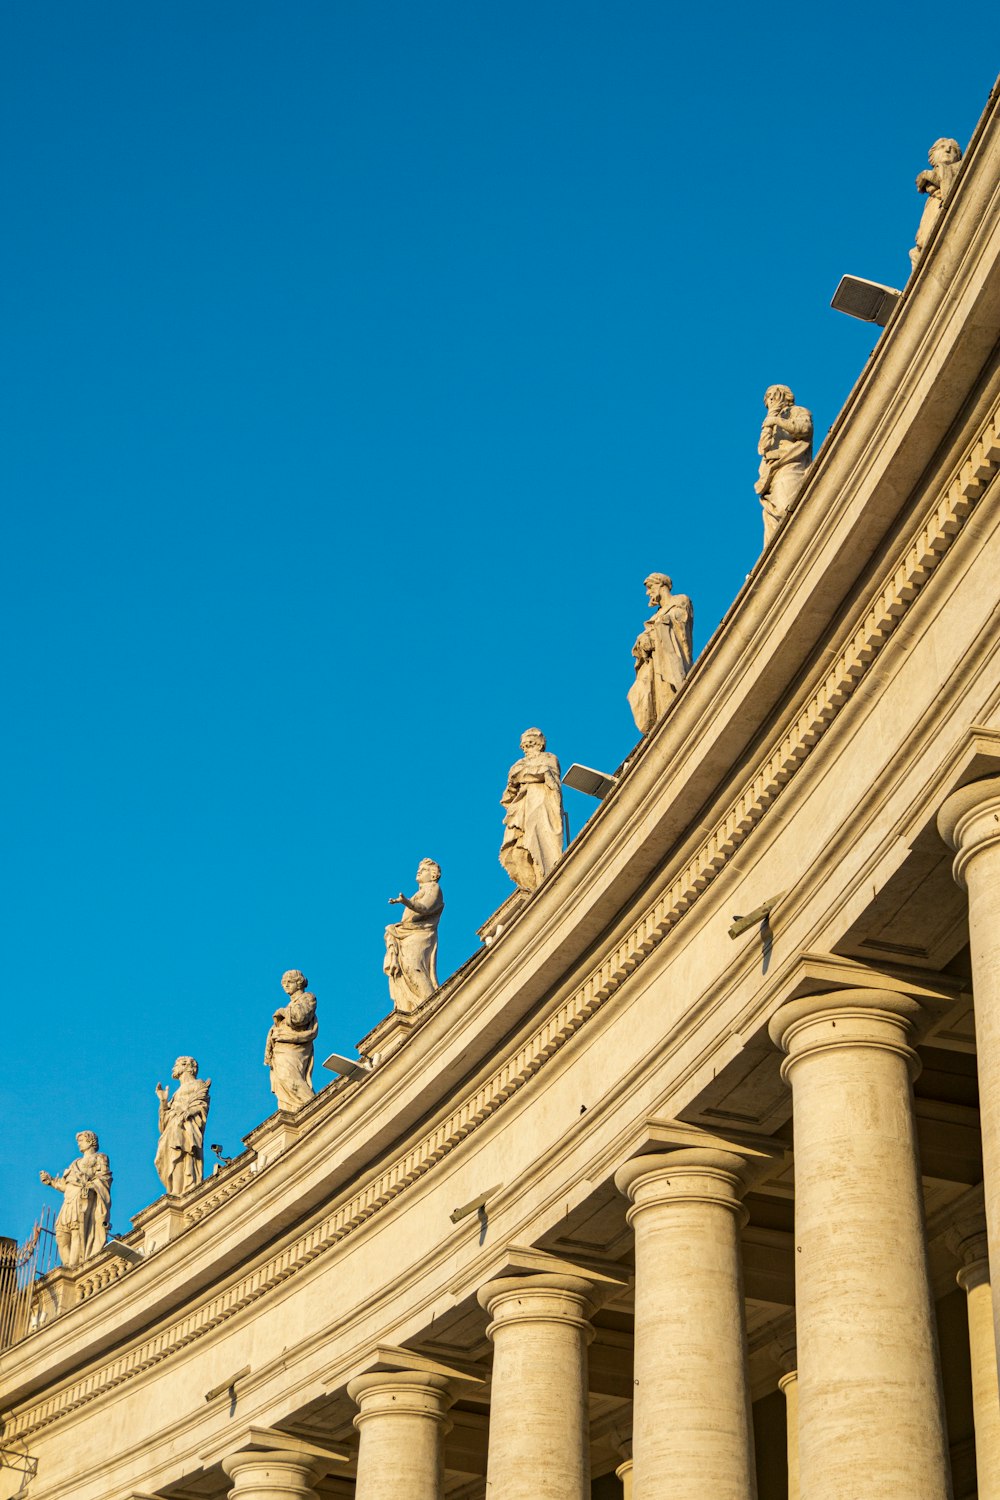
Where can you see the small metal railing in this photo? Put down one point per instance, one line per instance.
(20, 1267)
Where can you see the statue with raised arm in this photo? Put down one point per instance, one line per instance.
(662, 652)
(81, 1226)
(785, 449)
(180, 1155)
(945, 157)
(411, 943)
(289, 1049)
(533, 824)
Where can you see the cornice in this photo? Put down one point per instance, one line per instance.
(865, 637)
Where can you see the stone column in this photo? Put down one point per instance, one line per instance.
(870, 1418)
(969, 822)
(539, 1440)
(789, 1385)
(969, 1244)
(276, 1475)
(624, 1472)
(691, 1425)
(402, 1422)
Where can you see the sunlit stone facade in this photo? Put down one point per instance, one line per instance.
(739, 1195)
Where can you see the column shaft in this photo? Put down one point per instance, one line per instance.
(691, 1426)
(790, 1385)
(870, 1420)
(975, 1279)
(539, 1442)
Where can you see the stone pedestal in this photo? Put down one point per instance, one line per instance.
(969, 822)
(539, 1439)
(870, 1420)
(691, 1425)
(274, 1476)
(969, 1245)
(402, 1421)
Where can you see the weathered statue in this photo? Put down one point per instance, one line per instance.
(945, 157)
(411, 943)
(289, 1049)
(82, 1223)
(533, 837)
(180, 1155)
(785, 450)
(662, 653)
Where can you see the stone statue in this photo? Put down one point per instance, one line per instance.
(945, 157)
(289, 1049)
(180, 1155)
(785, 450)
(82, 1223)
(411, 943)
(662, 653)
(533, 837)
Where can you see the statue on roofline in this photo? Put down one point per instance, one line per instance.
(411, 943)
(533, 823)
(785, 449)
(663, 653)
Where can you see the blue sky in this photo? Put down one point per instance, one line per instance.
(362, 359)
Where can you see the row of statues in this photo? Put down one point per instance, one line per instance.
(534, 835)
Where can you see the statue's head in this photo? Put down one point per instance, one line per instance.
(427, 870)
(87, 1140)
(532, 740)
(944, 152)
(656, 585)
(185, 1065)
(777, 396)
(293, 980)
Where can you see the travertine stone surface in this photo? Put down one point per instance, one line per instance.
(539, 1442)
(411, 943)
(968, 1242)
(274, 1476)
(180, 1155)
(691, 1425)
(624, 1471)
(82, 1223)
(289, 1048)
(969, 822)
(945, 157)
(869, 1406)
(662, 652)
(785, 449)
(402, 1421)
(533, 823)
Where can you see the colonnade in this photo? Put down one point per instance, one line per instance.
(864, 1401)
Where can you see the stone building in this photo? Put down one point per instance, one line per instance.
(725, 1227)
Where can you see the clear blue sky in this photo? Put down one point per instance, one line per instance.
(361, 360)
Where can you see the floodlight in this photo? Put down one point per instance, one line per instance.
(347, 1067)
(594, 783)
(868, 300)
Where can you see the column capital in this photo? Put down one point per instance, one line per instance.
(709, 1172)
(258, 1475)
(418, 1392)
(967, 1241)
(837, 1019)
(545, 1297)
(969, 822)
